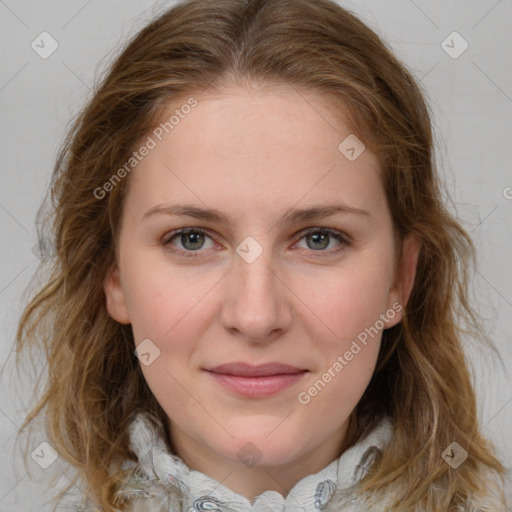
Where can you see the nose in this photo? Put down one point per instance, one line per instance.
(256, 302)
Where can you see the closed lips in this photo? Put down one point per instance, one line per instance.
(264, 370)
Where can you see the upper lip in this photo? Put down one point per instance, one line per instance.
(247, 370)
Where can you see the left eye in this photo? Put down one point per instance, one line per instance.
(318, 239)
(193, 239)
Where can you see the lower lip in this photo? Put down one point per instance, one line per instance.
(256, 387)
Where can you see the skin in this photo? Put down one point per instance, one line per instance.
(254, 154)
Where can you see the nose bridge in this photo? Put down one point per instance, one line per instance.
(255, 305)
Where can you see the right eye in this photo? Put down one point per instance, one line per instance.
(191, 239)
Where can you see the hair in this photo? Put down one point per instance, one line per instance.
(422, 380)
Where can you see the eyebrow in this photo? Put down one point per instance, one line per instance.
(292, 216)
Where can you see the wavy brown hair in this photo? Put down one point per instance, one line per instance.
(94, 385)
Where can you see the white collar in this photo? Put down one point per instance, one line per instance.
(202, 492)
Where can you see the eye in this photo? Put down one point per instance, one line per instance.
(318, 239)
(191, 239)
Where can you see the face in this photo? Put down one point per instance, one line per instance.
(265, 273)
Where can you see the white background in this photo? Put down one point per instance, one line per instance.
(471, 97)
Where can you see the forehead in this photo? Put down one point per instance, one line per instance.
(254, 148)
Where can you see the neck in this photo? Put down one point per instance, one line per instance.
(252, 481)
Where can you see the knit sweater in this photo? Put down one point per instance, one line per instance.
(164, 483)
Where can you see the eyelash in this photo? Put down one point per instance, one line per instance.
(338, 235)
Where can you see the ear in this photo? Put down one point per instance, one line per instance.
(404, 279)
(116, 304)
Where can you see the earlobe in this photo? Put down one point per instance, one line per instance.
(406, 273)
(114, 295)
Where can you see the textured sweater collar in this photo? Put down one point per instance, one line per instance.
(202, 492)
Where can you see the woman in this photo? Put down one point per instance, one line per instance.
(205, 352)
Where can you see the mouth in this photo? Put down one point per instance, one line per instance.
(256, 381)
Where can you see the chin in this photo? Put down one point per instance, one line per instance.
(263, 450)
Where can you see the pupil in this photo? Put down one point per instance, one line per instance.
(194, 238)
(319, 237)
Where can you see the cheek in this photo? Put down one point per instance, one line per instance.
(348, 342)
(162, 299)
(169, 308)
(350, 300)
